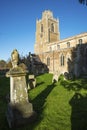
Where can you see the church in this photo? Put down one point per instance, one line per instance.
(67, 55)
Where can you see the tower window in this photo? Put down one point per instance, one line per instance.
(48, 61)
(41, 27)
(80, 41)
(68, 44)
(62, 60)
(52, 27)
(58, 47)
(50, 48)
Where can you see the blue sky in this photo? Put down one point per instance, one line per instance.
(18, 22)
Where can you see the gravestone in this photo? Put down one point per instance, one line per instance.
(56, 75)
(20, 110)
(32, 81)
(66, 75)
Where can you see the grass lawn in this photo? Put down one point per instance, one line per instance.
(59, 106)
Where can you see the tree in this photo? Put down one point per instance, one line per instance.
(9, 64)
(83, 2)
(2, 64)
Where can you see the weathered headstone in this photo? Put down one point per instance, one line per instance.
(66, 75)
(20, 110)
(32, 82)
(56, 75)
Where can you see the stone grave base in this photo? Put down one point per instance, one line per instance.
(20, 114)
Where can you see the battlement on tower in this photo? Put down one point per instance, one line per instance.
(47, 14)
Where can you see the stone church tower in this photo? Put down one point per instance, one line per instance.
(59, 55)
(47, 30)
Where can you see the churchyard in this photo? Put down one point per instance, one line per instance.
(59, 106)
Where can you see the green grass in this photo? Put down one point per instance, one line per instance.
(59, 106)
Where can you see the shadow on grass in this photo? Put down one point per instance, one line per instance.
(78, 103)
(79, 112)
(74, 85)
(38, 84)
(38, 102)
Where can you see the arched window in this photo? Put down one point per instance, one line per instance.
(80, 41)
(58, 47)
(48, 61)
(52, 27)
(41, 27)
(68, 44)
(62, 60)
(50, 48)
